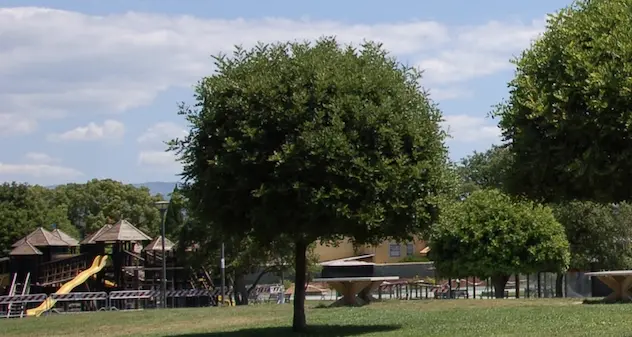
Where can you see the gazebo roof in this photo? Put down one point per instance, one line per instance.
(156, 245)
(42, 238)
(88, 240)
(65, 237)
(26, 248)
(121, 231)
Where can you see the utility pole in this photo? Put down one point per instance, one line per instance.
(223, 270)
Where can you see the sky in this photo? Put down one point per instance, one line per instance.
(90, 88)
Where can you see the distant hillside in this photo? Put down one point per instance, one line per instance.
(159, 187)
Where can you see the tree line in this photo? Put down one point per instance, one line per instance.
(77, 209)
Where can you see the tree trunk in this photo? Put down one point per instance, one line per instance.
(499, 282)
(241, 293)
(517, 278)
(559, 285)
(299, 323)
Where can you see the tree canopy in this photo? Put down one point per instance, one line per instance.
(77, 209)
(599, 235)
(489, 169)
(568, 116)
(23, 208)
(490, 235)
(313, 141)
(98, 202)
(175, 216)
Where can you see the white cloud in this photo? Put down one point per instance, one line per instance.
(153, 145)
(468, 129)
(13, 171)
(440, 94)
(40, 158)
(160, 133)
(110, 129)
(56, 63)
(14, 124)
(38, 168)
(161, 160)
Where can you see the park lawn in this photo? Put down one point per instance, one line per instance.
(536, 317)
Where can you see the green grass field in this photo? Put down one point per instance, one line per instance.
(541, 317)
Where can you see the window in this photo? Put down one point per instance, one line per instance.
(395, 250)
(410, 249)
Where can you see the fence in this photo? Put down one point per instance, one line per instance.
(539, 285)
(17, 306)
(267, 293)
(80, 301)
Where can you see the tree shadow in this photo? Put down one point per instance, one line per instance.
(312, 330)
(603, 301)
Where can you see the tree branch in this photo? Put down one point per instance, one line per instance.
(263, 272)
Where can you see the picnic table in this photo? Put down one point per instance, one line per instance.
(355, 291)
(619, 281)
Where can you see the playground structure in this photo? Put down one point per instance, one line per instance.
(117, 259)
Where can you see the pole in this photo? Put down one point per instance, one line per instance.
(164, 263)
(223, 270)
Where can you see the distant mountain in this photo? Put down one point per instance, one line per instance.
(159, 187)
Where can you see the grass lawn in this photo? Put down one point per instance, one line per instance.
(537, 317)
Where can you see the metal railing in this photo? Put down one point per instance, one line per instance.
(115, 300)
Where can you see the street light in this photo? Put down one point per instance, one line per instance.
(162, 207)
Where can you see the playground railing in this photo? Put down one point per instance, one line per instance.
(133, 299)
(80, 301)
(16, 306)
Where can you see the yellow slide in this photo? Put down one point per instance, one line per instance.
(97, 265)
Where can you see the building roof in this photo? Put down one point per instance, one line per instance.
(156, 245)
(42, 238)
(65, 237)
(350, 261)
(88, 240)
(122, 231)
(26, 248)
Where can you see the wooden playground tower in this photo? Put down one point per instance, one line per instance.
(45, 260)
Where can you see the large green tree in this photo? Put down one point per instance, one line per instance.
(313, 141)
(98, 202)
(23, 208)
(491, 235)
(568, 116)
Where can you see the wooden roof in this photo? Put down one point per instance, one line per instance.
(122, 231)
(89, 240)
(156, 245)
(42, 238)
(26, 248)
(65, 237)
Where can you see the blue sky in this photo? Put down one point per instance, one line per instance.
(89, 87)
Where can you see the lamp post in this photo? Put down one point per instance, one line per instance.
(223, 275)
(162, 207)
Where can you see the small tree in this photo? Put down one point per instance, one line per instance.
(600, 236)
(490, 235)
(311, 142)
